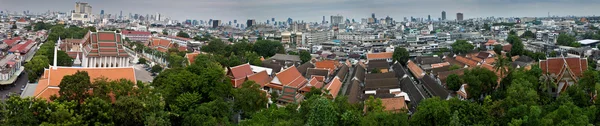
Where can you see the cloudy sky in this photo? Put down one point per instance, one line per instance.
(314, 10)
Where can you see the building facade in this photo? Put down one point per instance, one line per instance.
(103, 49)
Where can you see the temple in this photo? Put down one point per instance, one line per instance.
(102, 49)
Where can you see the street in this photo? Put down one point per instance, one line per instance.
(14, 88)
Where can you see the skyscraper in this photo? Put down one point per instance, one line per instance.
(121, 15)
(323, 22)
(250, 22)
(82, 12)
(443, 15)
(459, 16)
(216, 23)
(273, 19)
(428, 17)
(157, 16)
(235, 21)
(289, 21)
(336, 20)
(373, 15)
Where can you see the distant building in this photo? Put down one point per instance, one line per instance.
(459, 16)
(103, 49)
(251, 22)
(443, 15)
(137, 36)
(82, 12)
(336, 20)
(216, 23)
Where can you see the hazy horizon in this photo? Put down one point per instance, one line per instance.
(314, 10)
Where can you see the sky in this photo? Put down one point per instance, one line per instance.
(314, 10)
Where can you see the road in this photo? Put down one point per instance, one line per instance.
(141, 74)
(15, 87)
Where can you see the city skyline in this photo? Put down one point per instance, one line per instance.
(313, 10)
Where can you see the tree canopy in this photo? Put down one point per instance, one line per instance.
(401, 55)
(462, 46)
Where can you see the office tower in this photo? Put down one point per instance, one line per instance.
(323, 22)
(229, 23)
(235, 21)
(443, 15)
(336, 20)
(459, 16)
(289, 21)
(101, 13)
(250, 22)
(373, 16)
(215, 23)
(82, 12)
(121, 15)
(268, 21)
(157, 16)
(273, 19)
(428, 17)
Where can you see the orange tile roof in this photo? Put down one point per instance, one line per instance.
(52, 77)
(490, 60)
(191, 57)
(315, 81)
(261, 78)
(326, 64)
(334, 87)
(239, 73)
(383, 55)
(291, 77)
(416, 70)
(438, 65)
(466, 61)
(490, 42)
(395, 104)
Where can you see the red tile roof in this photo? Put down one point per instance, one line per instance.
(239, 73)
(438, 65)
(490, 42)
(103, 44)
(315, 81)
(416, 70)
(11, 41)
(507, 48)
(136, 33)
(466, 61)
(555, 65)
(334, 87)
(22, 47)
(383, 55)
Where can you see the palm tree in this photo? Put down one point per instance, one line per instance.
(501, 65)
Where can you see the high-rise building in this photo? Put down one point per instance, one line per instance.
(273, 19)
(336, 20)
(323, 22)
(216, 23)
(289, 21)
(373, 15)
(121, 15)
(428, 17)
(250, 22)
(459, 16)
(235, 21)
(268, 21)
(158, 17)
(82, 12)
(443, 15)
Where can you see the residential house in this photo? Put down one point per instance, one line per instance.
(387, 56)
(23, 50)
(136, 36)
(10, 69)
(283, 60)
(163, 45)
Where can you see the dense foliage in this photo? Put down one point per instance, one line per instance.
(401, 55)
(462, 47)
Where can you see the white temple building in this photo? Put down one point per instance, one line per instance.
(103, 49)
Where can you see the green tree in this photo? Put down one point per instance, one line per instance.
(517, 47)
(75, 87)
(95, 111)
(565, 40)
(455, 67)
(528, 34)
(385, 119)
(253, 58)
(249, 98)
(156, 69)
(373, 104)
(142, 61)
(305, 56)
(401, 55)
(462, 46)
(453, 82)
(502, 64)
(481, 81)
(129, 110)
(431, 112)
(35, 67)
(268, 48)
(165, 32)
(215, 46)
(321, 112)
(498, 49)
(183, 34)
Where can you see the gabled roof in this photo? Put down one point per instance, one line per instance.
(317, 72)
(261, 78)
(326, 64)
(315, 81)
(378, 64)
(385, 83)
(240, 71)
(291, 77)
(334, 87)
(555, 65)
(444, 75)
(469, 62)
(434, 88)
(49, 82)
(380, 75)
(285, 57)
(11, 41)
(383, 55)
(191, 57)
(416, 70)
(438, 65)
(126, 32)
(360, 73)
(304, 67)
(104, 44)
(22, 47)
(483, 55)
(424, 60)
(343, 72)
(395, 104)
